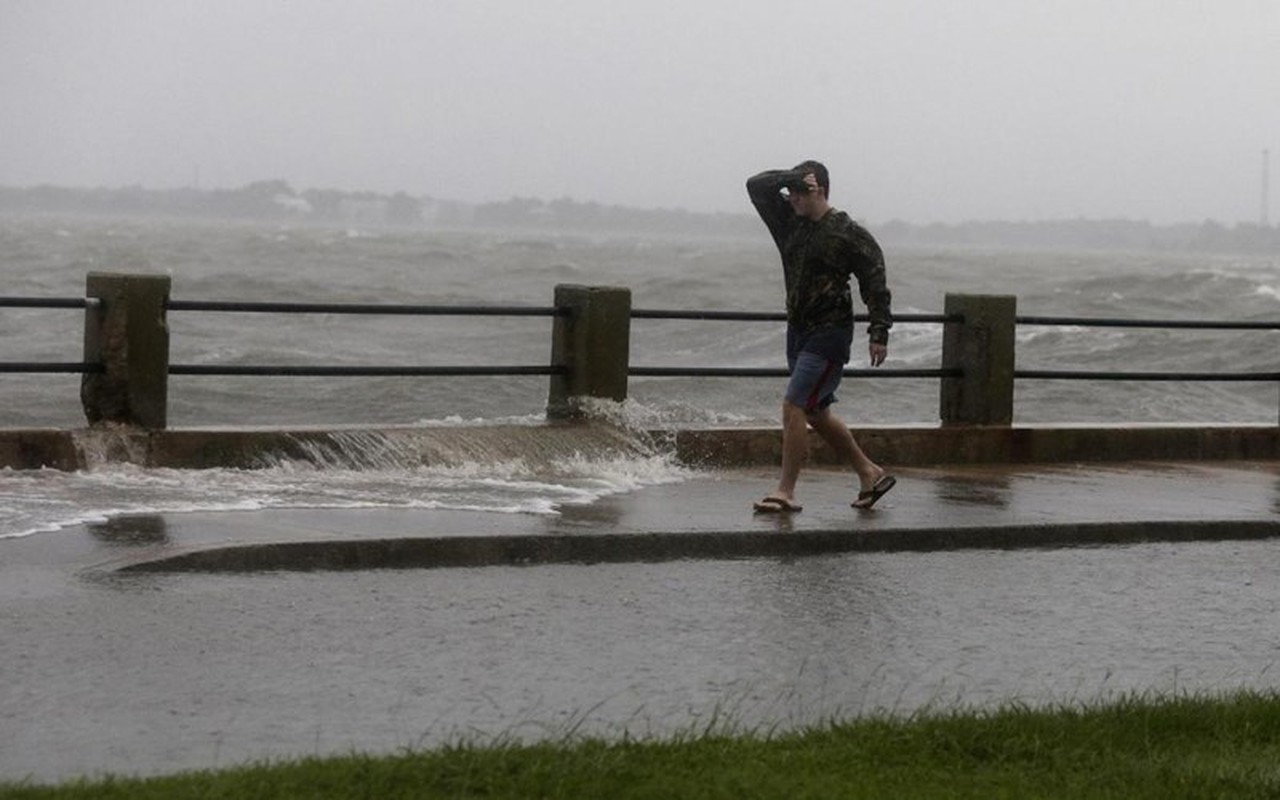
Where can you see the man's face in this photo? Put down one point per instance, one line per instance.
(802, 202)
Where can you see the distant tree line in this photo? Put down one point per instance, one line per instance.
(1101, 234)
(277, 201)
(273, 200)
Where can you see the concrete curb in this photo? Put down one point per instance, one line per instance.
(516, 550)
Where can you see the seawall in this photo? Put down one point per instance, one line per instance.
(72, 449)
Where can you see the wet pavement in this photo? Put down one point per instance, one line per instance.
(962, 587)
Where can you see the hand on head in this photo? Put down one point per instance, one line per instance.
(809, 186)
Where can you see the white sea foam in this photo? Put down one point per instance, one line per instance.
(47, 500)
(458, 421)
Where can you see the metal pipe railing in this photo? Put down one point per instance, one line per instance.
(772, 316)
(354, 371)
(362, 308)
(557, 371)
(49, 367)
(1087, 375)
(1172, 324)
(638, 371)
(49, 302)
(779, 372)
(1163, 324)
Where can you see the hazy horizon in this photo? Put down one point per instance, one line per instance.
(925, 111)
(746, 213)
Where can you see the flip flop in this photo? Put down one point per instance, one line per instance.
(868, 497)
(775, 505)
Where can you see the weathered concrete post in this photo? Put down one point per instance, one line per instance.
(591, 339)
(128, 333)
(982, 347)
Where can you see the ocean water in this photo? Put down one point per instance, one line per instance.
(42, 257)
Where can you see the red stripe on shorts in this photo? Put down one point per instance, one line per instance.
(812, 401)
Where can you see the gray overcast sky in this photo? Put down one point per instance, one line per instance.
(925, 110)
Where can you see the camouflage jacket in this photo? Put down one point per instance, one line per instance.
(818, 259)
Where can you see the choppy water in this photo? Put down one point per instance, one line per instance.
(50, 258)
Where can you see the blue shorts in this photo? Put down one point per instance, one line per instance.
(817, 364)
(814, 380)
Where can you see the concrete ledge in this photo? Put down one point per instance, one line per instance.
(511, 550)
(719, 447)
(66, 449)
(908, 446)
(37, 449)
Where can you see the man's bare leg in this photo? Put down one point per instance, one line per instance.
(795, 450)
(837, 436)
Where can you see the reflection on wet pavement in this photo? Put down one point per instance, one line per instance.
(147, 529)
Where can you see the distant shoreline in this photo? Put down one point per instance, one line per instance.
(277, 202)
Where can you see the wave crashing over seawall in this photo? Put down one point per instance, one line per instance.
(512, 469)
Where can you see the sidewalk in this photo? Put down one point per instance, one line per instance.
(710, 516)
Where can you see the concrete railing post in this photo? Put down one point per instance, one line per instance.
(982, 348)
(127, 332)
(591, 339)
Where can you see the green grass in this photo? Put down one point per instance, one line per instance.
(1194, 746)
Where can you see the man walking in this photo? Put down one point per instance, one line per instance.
(821, 248)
